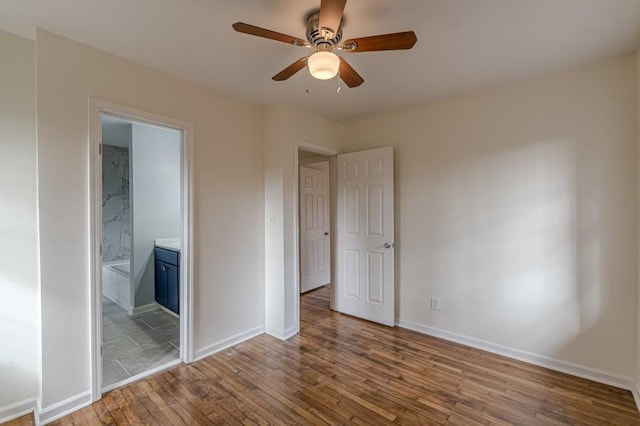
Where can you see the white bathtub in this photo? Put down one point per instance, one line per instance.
(116, 283)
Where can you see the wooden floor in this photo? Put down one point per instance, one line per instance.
(341, 370)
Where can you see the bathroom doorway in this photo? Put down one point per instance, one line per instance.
(141, 271)
(141, 240)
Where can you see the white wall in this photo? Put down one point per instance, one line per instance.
(19, 318)
(283, 128)
(228, 198)
(155, 185)
(518, 207)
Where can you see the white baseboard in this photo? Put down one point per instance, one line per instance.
(62, 408)
(17, 409)
(275, 332)
(167, 310)
(228, 342)
(291, 331)
(283, 334)
(145, 308)
(120, 303)
(529, 357)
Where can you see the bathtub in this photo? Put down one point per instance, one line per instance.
(116, 283)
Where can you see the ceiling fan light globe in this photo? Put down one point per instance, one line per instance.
(324, 65)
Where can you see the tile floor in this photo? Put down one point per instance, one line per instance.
(134, 344)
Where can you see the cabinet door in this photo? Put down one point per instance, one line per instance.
(161, 282)
(173, 288)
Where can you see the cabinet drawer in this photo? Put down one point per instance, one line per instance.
(168, 256)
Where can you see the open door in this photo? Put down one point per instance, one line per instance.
(365, 257)
(315, 270)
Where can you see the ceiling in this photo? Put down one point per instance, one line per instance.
(463, 45)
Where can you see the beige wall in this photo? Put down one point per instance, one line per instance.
(19, 318)
(229, 201)
(284, 127)
(518, 207)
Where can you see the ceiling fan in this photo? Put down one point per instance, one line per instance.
(324, 35)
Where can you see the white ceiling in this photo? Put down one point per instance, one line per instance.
(463, 45)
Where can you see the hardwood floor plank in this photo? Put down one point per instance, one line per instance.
(78, 418)
(176, 402)
(342, 370)
(21, 421)
(190, 404)
(91, 417)
(113, 409)
(280, 393)
(144, 388)
(102, 412)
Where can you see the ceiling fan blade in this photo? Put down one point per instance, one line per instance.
(291, 69)
(241, 27)
(395, 41)
(349, 75)
(331, 14)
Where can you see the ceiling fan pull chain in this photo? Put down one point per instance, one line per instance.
(339, 85)
(307, 83)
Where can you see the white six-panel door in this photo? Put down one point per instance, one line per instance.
(365, 256)
(315, 270)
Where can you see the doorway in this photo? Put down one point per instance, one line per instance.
(362, 247)
(316, 218)
(315, 223)
(141, 241)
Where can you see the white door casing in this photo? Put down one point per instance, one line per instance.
(315, 270)
(96, 108)
(365, 255)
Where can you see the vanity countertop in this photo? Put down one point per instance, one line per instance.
(168, 243)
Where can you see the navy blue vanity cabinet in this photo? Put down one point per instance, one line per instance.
(167, 271)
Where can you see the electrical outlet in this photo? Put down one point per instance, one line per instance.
(435, 303)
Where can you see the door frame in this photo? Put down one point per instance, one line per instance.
(331, 154)
(95, 108)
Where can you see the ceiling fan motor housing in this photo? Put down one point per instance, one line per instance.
(315, 36)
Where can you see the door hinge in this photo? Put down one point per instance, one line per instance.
(100, 148)
(100, 249)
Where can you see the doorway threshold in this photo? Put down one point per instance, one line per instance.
(142, 375)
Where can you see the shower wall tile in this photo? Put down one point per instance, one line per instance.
(116, 212)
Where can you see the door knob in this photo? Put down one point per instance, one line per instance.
(388, 245)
